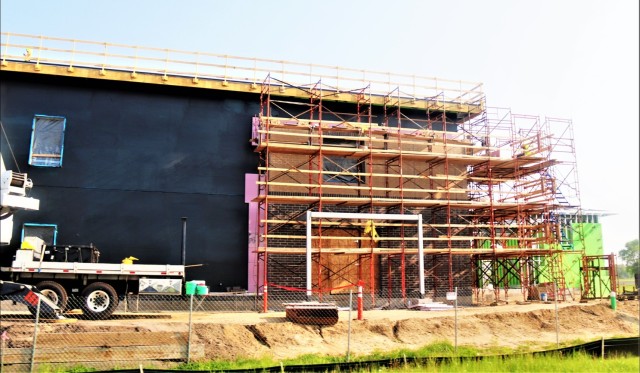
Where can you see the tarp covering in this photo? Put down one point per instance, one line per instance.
(46, 141)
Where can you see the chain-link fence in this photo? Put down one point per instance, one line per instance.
(44, 341)
(164, 331)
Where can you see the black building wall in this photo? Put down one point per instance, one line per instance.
(137, 158)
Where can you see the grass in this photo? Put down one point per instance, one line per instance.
(578, 362)
(518, 362)
(437, 349)
(47, 368)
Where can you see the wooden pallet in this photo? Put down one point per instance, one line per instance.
(312, 313)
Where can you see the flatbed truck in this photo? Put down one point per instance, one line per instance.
(59, 271)
(99, 285)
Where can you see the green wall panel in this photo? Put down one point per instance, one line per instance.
(592, 241)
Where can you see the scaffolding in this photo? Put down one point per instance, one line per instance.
(599, 276)
(483, 180)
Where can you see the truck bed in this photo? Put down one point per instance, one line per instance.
(96, 268)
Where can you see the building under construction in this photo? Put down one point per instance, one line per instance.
(401, 185)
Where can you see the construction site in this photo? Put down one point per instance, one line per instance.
(310, 191)
(399, 185)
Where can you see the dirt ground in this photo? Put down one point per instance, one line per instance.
(231, 336)
(506, 325)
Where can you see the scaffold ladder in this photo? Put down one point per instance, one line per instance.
(557, 273)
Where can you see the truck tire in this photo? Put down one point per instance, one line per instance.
(99, 300)
(55, 292)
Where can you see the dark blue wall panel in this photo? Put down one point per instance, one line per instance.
(136, 159)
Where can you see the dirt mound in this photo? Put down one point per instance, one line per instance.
(230, 341)
(534, 328)
(243, 335)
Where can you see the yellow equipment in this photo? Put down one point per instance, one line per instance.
(129, 260)
(370, 230)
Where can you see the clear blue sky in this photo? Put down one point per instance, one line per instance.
(567, 59)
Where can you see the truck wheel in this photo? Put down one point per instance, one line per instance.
(55, 292)
(99, 300)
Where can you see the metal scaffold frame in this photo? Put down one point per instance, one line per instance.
(484, 187)
(599, 276)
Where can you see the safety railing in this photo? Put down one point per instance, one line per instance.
(71, 53)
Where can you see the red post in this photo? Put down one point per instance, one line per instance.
(264, 299)
(359, 301)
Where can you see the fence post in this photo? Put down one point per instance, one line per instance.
(360, 306)
(349, 329)
(189, 336)
(35, 336)
(555, 297)
(2, 338)
(264, 299)
(455, 307)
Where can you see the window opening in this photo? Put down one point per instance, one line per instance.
(46, 232)
(47, 141)
(342, 168)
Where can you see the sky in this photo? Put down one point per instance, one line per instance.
(564, 59)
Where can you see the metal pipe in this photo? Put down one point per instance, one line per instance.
(349, 325)
(190, 327)
(308, 257)
(555, 302)
(184, 240)
(35, 336)
(363, 216)
(455, 309)
(421, 256)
